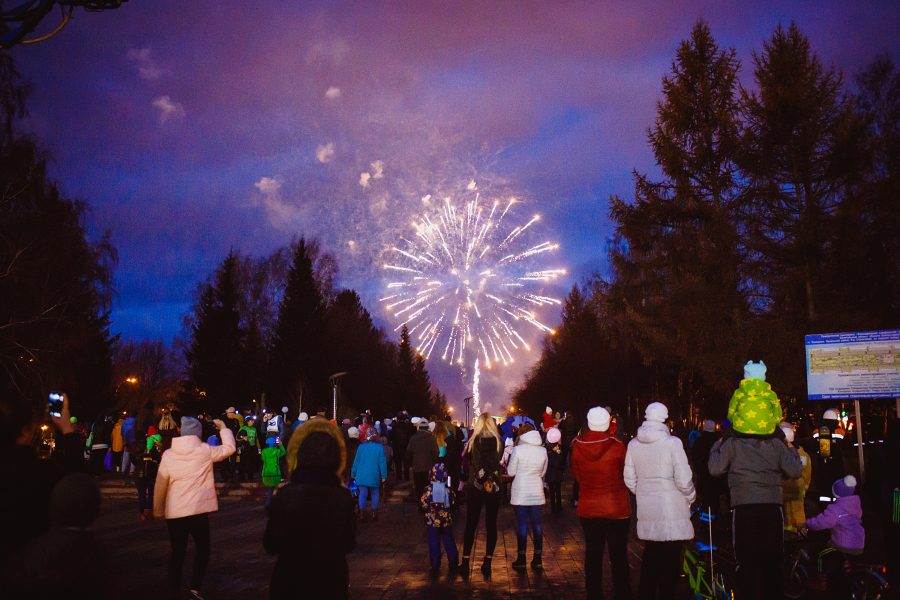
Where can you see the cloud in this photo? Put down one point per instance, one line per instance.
(325, 152)
(268, 186)
(333, 93)
(168, 109)
(146, 66)
(281, 214)
(377, 172)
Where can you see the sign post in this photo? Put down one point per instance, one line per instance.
(854, 366)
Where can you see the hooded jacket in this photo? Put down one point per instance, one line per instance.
(658, 474)
(756, 466)
(370, 465)
(184, 481)
(844, 518)
(598, 463)
(422, 451)
(527, 466)
(311, 525)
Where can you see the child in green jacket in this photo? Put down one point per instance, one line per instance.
(271, 471)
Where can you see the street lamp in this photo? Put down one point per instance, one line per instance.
(466, 402)
(335, 382)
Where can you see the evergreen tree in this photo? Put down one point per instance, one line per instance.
(413, 384)
(215, 358)
(863, 269)
(297, 368)
(677, 268)
(55, 284)
(800, 155)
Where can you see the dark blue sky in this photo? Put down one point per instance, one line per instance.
(192, 128)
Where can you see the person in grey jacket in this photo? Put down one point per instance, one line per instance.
(421, 454)
(756, 459)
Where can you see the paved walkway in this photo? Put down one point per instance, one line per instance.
(390, 560)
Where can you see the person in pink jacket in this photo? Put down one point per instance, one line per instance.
(185, 494)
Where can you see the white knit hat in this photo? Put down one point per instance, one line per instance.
(303, 417)
(415, 420)
(598, 419)
(656, 411)
(548, 410)
(788, 430)
(353, 432)
(553, 435)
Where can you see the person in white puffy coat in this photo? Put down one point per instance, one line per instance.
(658, 474)
(527, 466)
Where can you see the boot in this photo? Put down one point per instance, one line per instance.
(486, 566)
(464, 566)
(519, 563)
(536, 562)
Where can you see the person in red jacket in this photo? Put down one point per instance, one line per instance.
(598, 462)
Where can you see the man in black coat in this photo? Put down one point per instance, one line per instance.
(399, 437)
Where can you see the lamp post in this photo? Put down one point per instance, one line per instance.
(466, 401)
(335, 382)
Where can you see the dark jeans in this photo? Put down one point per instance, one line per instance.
(419, 482)
(438, 536)
(660, 568)
(97, 457)
(475, 499)
(196, 526)
(526, 515)
(612, 533)
(401, 468)
(555, 496)
(758, 531)
(249, 464)
(144, 487)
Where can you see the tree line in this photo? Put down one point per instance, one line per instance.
(273, 330)
(775, 214)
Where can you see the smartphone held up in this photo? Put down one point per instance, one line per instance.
(56, 404)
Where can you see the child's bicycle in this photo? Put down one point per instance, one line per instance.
(709, 571)
(804, 575)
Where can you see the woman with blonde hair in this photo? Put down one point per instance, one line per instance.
(483, 490)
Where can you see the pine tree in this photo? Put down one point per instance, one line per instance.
(297, 370)
(215, 358)
(800, 155)
(55, 283)
(675, 257)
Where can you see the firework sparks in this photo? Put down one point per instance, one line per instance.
(465, 284)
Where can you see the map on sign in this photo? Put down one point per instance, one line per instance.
(845, 366)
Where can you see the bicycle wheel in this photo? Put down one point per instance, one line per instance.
(868, 585)
(795, 581)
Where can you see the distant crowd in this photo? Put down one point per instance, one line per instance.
(323, 480)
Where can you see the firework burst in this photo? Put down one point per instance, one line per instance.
(467, 281)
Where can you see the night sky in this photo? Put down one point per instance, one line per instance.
(195, 127)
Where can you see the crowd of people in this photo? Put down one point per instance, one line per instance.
(323, 479)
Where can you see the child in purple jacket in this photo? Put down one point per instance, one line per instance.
(843, 517)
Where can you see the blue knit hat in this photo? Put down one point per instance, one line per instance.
(270, 442)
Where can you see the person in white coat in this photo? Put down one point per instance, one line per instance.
(185, 494)
(658, 474)
(527, 466)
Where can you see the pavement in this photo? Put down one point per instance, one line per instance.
(390, 560)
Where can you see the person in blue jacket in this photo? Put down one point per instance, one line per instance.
(370, 472)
